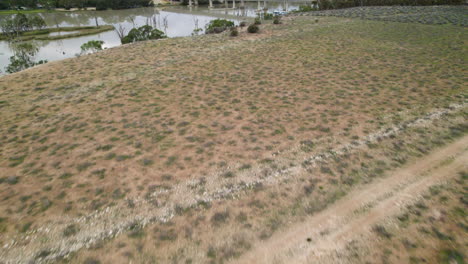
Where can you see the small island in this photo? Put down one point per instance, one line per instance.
(64, 32)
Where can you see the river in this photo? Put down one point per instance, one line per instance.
(175, 21)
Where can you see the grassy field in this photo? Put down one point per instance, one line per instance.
(196, 148)
(432, 15)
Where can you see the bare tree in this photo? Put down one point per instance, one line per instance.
(121, 32)
(57, 23)
(165, 24)
(132, 19)
(152, 21)
(197, 29)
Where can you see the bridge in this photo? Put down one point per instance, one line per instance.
(261, 3)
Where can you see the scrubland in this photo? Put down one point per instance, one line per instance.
(195, 150)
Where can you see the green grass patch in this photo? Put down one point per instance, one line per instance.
(43, 34)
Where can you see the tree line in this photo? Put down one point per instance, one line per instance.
(20, 23)
(67, 4)
(336, 4)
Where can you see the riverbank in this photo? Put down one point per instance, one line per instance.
(33, 11)
(44, 34)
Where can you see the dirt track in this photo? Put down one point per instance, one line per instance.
(321, 238)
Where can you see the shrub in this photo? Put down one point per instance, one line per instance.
(306, 8)
(169, 235)
(220, 217)
(228, 174)
(243, 24)
(450, 256)
(267, 16)
(218, 26)
(381, 231)
(70, 230)
(12, 180)
(92, 46)
(257, 21)
(143, 33)
(277, 20)
(253, 28)
(91, 261)
(234, 32)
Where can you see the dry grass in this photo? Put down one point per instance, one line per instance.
(432, 230)
(98, 131)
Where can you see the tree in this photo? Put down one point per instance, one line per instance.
(143, 33)
(23, 58)
(91, 46)
(121, 32)
(37, 22)
(20, 23)
(47, 4)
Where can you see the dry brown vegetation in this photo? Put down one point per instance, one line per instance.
(431, 230)
(134, 123)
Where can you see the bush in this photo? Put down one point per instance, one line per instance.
(218, 26)
(234, 32)
(381, 231)
(143, 33)
(277, 20)
(253, 28)
(92, 46)
(257, 21)
(267, 16)
(219, 218)
(243, 24)
(91, 261)
(306, 8)
(70, 230)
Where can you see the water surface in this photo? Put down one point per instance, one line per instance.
(177, 21)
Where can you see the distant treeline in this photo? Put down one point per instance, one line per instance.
(203, 2)
(334, 4)
(99, 4)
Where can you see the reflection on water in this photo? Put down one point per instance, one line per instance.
(62, 33)
(175, 22)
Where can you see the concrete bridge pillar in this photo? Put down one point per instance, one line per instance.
(190, 2)
(242, 3)
(211, 3)
(259, 6)
(233, 4)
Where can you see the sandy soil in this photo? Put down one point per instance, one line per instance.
(320, 238)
